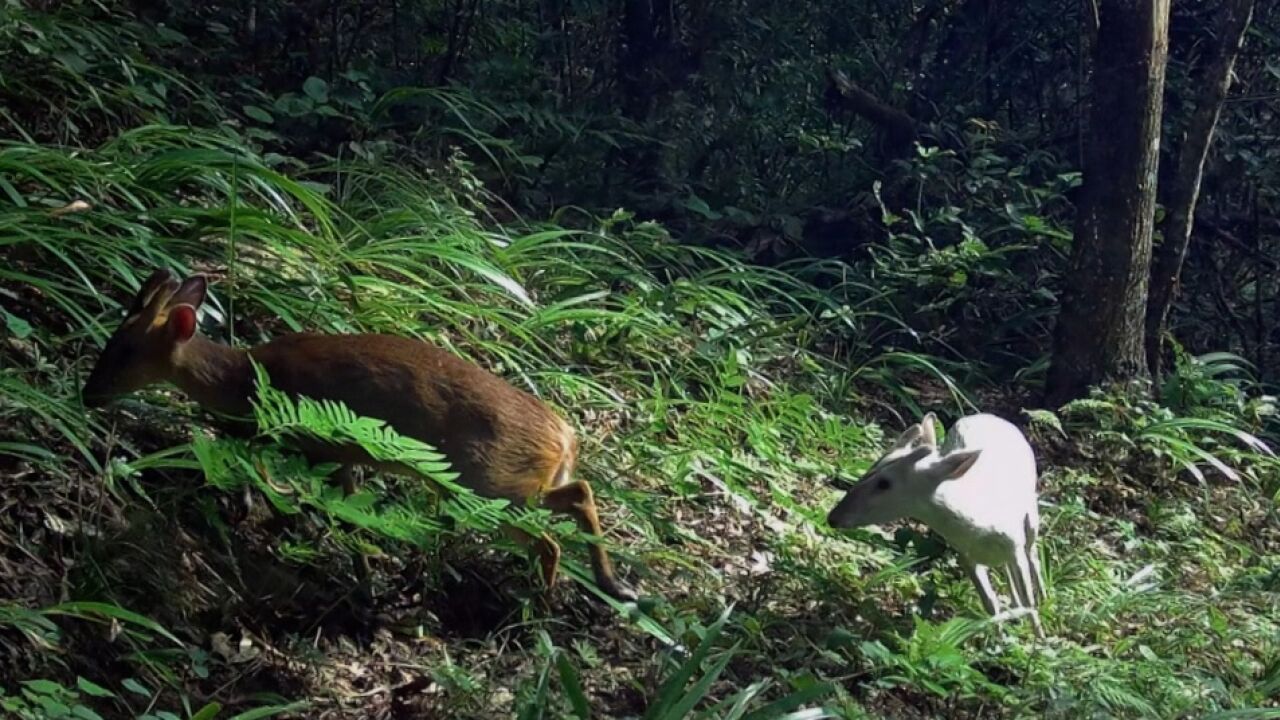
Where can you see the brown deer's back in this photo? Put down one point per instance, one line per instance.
(504, 442)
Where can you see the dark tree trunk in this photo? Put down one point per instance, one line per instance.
(1184, 188)
(633, 52)
(646, 34)
(962, 39)
(646, 39)
(1099, 332)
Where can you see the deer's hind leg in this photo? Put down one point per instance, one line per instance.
(576, 499)
(346, 475)
(1031, 526)
(1023, 583)
(544, 548)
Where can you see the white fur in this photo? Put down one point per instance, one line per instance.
(978, 491)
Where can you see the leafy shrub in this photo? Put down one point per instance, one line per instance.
(1218, 427)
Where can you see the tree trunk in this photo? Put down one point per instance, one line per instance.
(647, 35)
(1184, 188)
(633, 50)
(1099, 332)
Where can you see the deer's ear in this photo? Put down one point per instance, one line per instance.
(161, 283)
(908, 436)
(181, 322)
(929, 430)
(955, 464)
(916, 455)
(190, 292)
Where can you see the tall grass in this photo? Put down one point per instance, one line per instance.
(607, 319)
(701, 384)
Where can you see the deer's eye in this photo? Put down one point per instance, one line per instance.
(882, 484)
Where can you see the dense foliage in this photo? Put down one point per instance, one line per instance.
(658, 218)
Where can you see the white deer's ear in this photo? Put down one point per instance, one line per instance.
(908, 436)
(929, 430)
(917, 454)
(954, 465)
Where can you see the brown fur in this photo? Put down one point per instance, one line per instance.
(503, 442)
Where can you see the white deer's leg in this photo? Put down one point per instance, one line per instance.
(1023, 580)
(982, 582)
(1037, 576)
(1033, 558)
(1016, 594)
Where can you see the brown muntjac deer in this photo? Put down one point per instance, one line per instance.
(503, 442)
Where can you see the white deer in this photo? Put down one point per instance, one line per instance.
(978, 491)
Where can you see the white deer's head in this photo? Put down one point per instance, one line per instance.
(902, 480)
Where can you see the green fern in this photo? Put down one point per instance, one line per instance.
(1046, 418)
(291, 485)
(281, 417)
